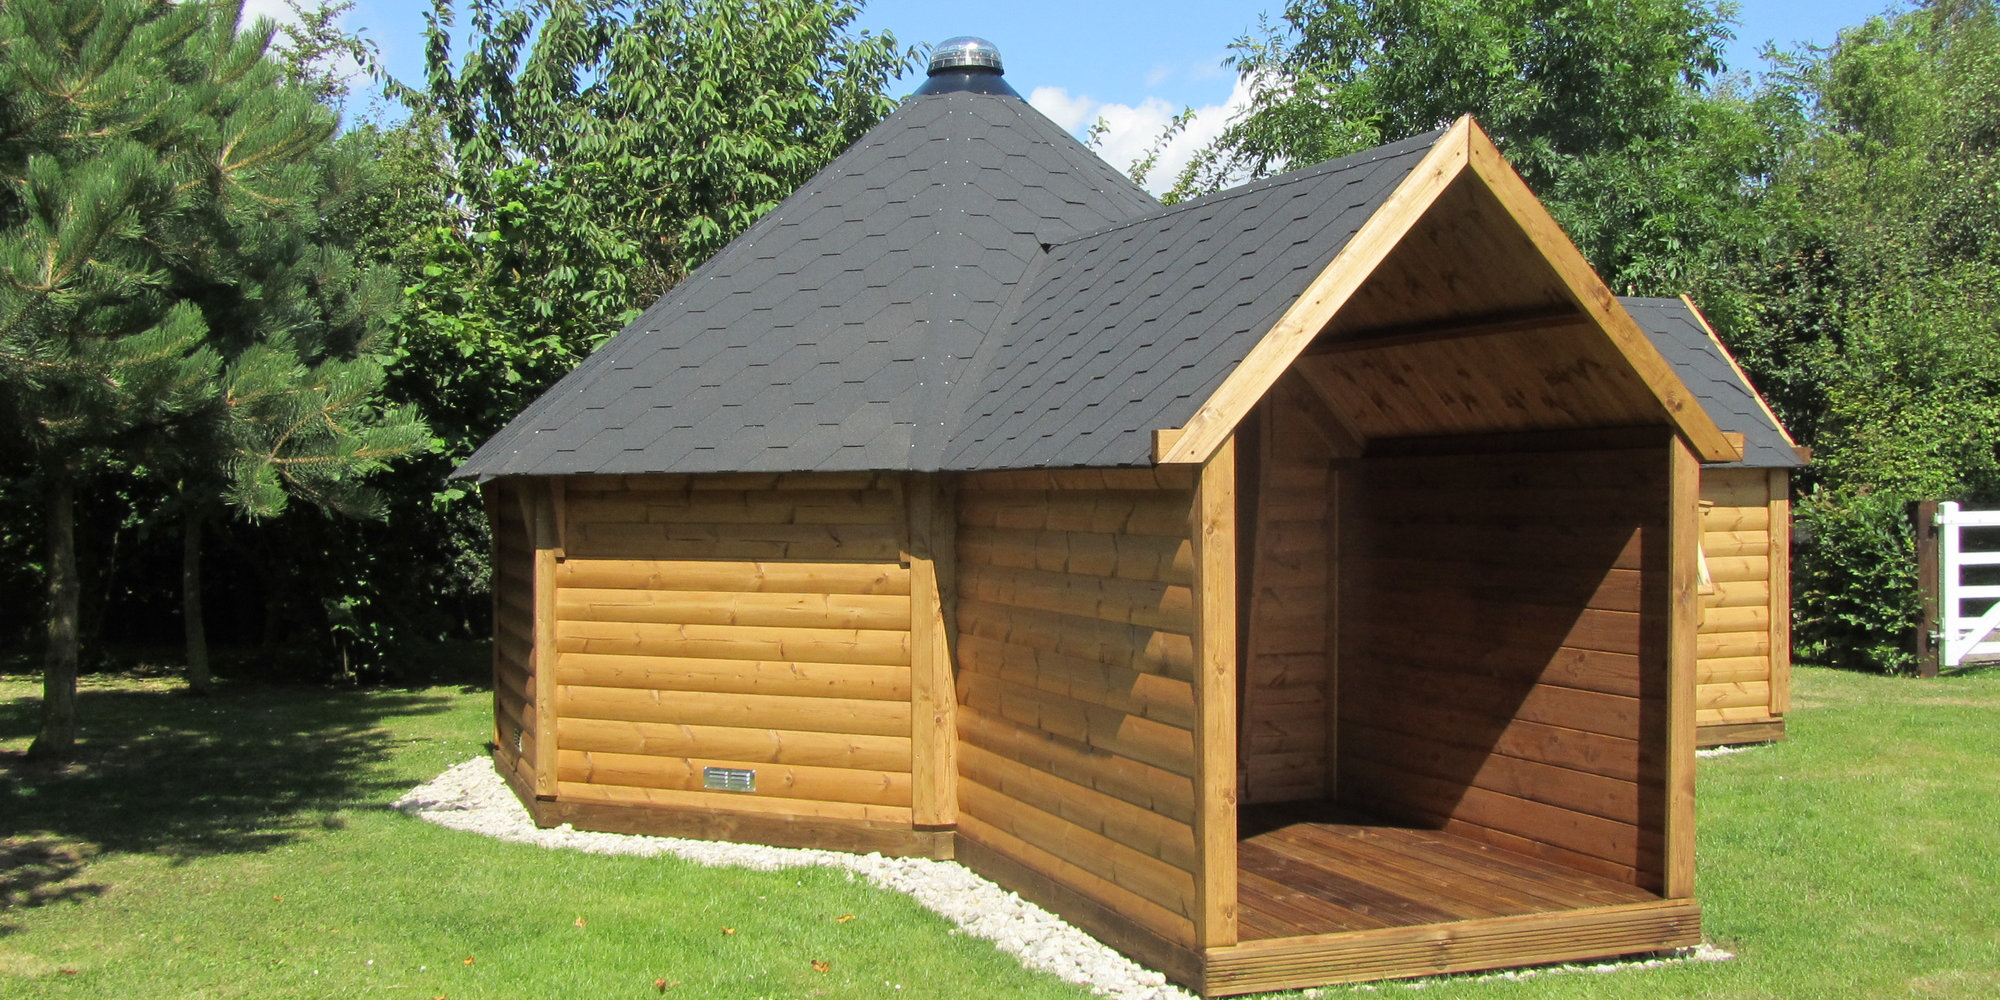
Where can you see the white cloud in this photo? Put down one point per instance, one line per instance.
(1132, 130)
(276, 10)
(1072, 113)
(280, 12)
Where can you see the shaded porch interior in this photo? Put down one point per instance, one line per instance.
(1453, 605)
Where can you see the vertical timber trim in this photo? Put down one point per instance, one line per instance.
(1683, 620)
(1332, 598)
(1253, 493)
(489, 495)
(1780, 527)
(1212, 528)
(933, 700)
(546, 528)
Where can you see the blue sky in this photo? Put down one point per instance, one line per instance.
(1135, 64)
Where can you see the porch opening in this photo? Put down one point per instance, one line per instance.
(1452, 674)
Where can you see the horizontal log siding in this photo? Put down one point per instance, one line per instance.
(1502, 671)
(1283, 741)
(1741, 540)
(758, 622)
(513, 635)
(1076, 708)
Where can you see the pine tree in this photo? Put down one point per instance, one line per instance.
(162, 304)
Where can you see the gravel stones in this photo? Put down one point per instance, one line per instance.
(473, 797)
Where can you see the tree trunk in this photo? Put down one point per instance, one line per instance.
(58, 736)
(199, 680)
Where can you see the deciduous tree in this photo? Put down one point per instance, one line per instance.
(1608, 108)
(601, 149)
(1875, 318)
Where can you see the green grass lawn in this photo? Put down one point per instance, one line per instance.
(242, 846)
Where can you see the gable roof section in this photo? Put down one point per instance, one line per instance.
(1133, 327)
(828, 336)
(1705, 367)
(1463, 155)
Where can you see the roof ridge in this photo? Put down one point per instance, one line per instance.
(1401, 147)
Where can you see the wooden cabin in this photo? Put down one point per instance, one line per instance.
(1743, 658)
(1297, 585)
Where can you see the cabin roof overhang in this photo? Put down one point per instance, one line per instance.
(1459, 306)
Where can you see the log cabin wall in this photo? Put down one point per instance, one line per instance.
(1498, 678)
(513, 636)
(1743, 654)
(1076, 711)
(757, 622)
(1285, 547)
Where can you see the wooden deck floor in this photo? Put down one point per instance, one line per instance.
(1307, 869)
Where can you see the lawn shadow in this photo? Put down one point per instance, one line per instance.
(37, 871)
(159, 772)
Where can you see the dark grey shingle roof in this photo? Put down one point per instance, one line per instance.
(1729, 400)
(829, 335)
(966, 288)
(1133, 327)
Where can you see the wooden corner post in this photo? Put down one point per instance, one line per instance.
(1212, 526)
(490, 498)
(1779, 519)
(1929, 588)
(933, 695)
(544, 500)
(1683, 621)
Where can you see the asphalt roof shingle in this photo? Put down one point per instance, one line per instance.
(968, 287)
(1131, 327)
(859, 300)
(1728, 400)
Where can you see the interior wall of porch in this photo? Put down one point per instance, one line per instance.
(1471, 640)
(1501, 641)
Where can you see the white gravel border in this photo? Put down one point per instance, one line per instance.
(473, 797)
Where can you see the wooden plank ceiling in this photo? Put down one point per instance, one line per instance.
(1465, 328)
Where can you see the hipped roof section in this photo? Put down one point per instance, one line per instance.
(970, 288)
(830, 335)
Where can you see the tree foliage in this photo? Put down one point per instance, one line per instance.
(163, 304)
(1556, 81)
(600, 149)
(1876, 318)
(1608, 108)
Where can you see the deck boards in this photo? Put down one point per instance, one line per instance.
(1311, 868)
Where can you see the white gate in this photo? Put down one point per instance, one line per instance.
(1968, 637)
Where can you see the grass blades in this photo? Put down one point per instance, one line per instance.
(242, 845)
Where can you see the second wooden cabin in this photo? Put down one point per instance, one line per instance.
(1743, 663)
(1297, 585)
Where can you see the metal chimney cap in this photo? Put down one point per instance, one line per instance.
(964, 51)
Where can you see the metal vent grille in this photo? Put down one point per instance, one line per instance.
(729, 779)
